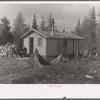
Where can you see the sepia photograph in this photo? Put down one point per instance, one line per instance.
(50, 43)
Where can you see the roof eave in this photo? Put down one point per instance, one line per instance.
(25, 35)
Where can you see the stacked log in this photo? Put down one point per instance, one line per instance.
(8, 50)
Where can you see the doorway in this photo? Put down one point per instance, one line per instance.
(31, 45)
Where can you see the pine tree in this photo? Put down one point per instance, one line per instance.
(78, 31)
(86, 32)
(19, 28)
(49, 23)
(19, 25)
(34, 23)
(93, 24)
(78, 28)
(98, 36)
(6, 36)
(43, 24)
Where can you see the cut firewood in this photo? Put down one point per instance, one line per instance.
(60, 59)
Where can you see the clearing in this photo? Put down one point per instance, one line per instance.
(19, 71)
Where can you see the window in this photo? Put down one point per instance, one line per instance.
(40, 42)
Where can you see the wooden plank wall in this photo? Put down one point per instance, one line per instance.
(76, 46)
(70, 47)
(59, 46)
(51, 47)
(65, 43)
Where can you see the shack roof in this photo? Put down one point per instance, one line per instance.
(58, 35)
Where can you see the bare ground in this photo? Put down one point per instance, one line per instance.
(17, 71)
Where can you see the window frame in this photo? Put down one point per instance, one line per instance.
(40, 42)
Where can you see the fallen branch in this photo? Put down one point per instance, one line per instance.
(60, 59)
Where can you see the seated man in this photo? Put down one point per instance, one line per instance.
(14, 49)
(23, 52)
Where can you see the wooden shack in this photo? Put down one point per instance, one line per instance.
(51, 44)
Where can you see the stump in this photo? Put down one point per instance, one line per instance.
(37, 60)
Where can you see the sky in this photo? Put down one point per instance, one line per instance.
(65, 15)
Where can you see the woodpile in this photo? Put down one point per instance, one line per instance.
(8, 50)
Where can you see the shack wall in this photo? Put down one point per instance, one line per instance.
(58, 46)
(51, 47)
(41, 49)
(26, 43)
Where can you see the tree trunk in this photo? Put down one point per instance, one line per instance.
(37, 60)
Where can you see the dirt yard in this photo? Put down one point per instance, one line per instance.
(20, 71)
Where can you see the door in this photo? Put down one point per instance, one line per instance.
(31, 45)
